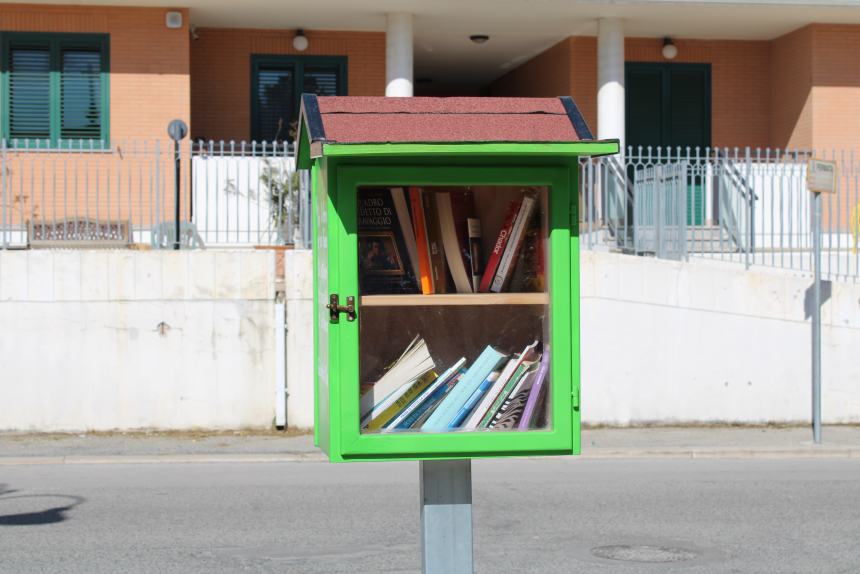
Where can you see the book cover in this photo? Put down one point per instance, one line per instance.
(401, 207)
(489, 398)
(472, 402)
(499, 246)
(434, 240)
(419, 422)
(384, 262)
(402, 401)
(512, 249)
(485, 364)
(508, 391)
(425, 400)
(455, 208)
(423, 245)
(538, 389)
(412, 364)
(511, 413)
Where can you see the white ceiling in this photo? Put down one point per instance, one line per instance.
(518, 29)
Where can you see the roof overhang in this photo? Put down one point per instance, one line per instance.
(314, 142)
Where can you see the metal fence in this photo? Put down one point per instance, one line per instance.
(82, 193)
(749, 206)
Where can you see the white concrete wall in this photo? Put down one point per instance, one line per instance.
(99, 340)
(707, 341)
(299, 292)
(672, 342)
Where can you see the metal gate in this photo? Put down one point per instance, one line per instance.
(660, 210)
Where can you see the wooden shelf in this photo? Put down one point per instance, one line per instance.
(455, 299)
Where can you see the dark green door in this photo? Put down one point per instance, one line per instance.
(669, 105)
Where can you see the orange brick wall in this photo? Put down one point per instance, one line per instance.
(221, 71)
(546, 75)
(149, 63)
(740, 81)
(836, 87)
(791, 90)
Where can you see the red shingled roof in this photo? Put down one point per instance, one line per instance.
(432, 120)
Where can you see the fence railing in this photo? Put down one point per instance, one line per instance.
(749, 206)
(83, 193)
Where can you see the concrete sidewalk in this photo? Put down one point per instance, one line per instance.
(659, 442)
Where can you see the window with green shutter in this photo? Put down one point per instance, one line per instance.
(55, 90)
(277, 83)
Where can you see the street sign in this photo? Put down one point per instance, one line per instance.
(821, 176)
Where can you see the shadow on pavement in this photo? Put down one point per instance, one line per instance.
(40, 514)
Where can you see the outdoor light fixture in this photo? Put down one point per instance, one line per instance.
(173, 20)
(479, 38)
(300, 42)
(670, 50)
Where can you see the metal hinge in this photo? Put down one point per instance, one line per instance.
(335, 308)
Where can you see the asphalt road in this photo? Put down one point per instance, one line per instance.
(721, 515)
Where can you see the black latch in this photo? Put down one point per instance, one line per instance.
(335, 308)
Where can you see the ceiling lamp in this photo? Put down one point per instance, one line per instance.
(479, 38)
(670, 50)
(300, 42)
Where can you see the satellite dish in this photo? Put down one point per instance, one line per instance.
(177, 129)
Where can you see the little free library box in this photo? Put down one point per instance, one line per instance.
(446, 256)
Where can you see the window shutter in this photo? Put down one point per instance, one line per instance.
(275, 95)
(321, 80)
(30, 93)
(81, 97)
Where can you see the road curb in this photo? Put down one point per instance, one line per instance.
(605, 454)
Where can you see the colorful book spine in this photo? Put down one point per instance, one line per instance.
(473, 400)
(454, 401)
(451, 206)
(502, 396)
(499, 247)
(402, 401)
(476, 257)
(434, 240)
(421, 241)
(512, 250)
(426, 399)
(536, 392)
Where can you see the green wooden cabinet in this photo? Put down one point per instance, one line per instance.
(375, 162)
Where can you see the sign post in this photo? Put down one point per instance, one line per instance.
(820, 178)
(446, 516)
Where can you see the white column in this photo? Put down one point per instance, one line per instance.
(610, 79)
(398, 55)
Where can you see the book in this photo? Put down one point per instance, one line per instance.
(476, 258)
(401, 207)
(512, 249)
(485, 364)
(472, 402)
(509, 390)
(434, 240)
(412, 364)
(427, 398)
(536, 393)
(511, 413)
(421, 239)
(480, 411)
(385, 237)
(454, 211)
(529, 272)
(499, 246)
(391, 407)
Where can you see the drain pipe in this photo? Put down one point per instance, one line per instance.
(280, 361)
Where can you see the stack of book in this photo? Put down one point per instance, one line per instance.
(416, 240)
(496, 391)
